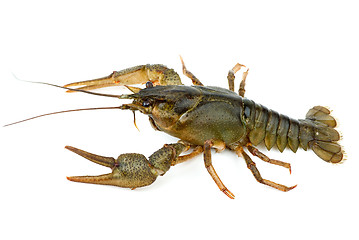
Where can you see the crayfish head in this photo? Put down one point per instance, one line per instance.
(165, 104)
(164, 115)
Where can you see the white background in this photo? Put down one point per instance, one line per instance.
(299, 54)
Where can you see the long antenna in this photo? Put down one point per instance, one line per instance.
(122, 96)
(73, 110)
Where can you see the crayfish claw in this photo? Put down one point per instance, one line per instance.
(157, 74)
(134, 75)
(129, 170)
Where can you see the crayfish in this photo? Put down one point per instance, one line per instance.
(203, 118)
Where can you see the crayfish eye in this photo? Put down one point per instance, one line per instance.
(149, 84)
(146, 103)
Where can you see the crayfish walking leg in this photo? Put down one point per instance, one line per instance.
(190, 75)
(131, 170)
(196, 151)
(255, 152)
(208, 164)
(231, 78)
(252, 166)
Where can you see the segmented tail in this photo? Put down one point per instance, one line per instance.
(325, 138)
(315, 132)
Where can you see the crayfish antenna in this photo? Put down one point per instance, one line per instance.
(122, 96)
(65, 111)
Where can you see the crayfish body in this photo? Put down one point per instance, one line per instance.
(204, 118)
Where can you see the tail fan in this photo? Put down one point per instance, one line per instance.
(325, 143)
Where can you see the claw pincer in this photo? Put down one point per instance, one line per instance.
(130, 170)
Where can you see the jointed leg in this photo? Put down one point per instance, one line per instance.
(231, 78)
(252, 166)
(131, 170)
(157, 74)
(255, 152)
(231, 75)
(208, 164)
(195, 152)
(241, 90)
(190, 75)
